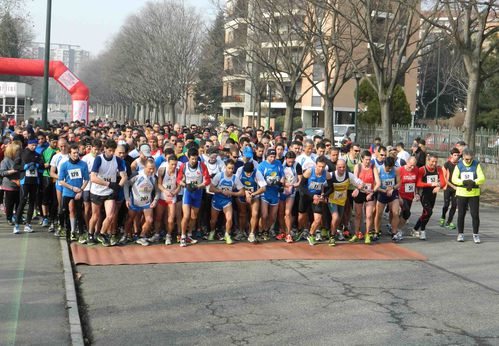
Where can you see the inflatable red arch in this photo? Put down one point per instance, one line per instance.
(34, 68)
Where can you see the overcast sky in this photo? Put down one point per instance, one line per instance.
(89, 23)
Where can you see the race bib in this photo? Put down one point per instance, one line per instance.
(339, 195)
(249, 188)
(368, 187)
(108, 179)
(32, 173)
(409, 188)
(75, 173)
(142, 201)
(466, 176)
(432, 179)
(389, 182)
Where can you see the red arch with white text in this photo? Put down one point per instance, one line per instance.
(34, 68)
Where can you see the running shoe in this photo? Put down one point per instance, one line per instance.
(346, 233)
(332, 241)
(83, 239)
(191, 240)
(51, 228)
(16, 229)
(101, 239)
(341, 237)
(375, 236)
(281, 236)
(74, 236)
(303, 235)
(28, 228)
(311, 240)
(354, 239)
(252, 238)
(265, 236)
(395, 238)
(476, 238)
(239, 235)
(91, 240)
(114, 240)
(211, 236)
(318, 236)
(451, 226)
(142, 241)
(400, 235)
(124, 239)
(154, 238)
(45, 222)
(183, 242)
(228, 239)
(289, 239)
(415, 233)
(422, 235)
(441, 222)
(460, 237)
(168, 239)
(11, 222)
(367, 238)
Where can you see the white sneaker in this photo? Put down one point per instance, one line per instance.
(341, 237)
(318, 236)
(476, 238)
(422, 235)
(16, 229)
(415, 233)
(460, 237)
(142, 241)
(154, 238)
(400, 235)
(252, 238)
(28, 229)
(168, 240)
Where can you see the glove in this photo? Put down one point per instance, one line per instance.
(114, 186)
(469, 184)
(280, 186)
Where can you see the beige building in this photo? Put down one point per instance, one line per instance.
(238, 103)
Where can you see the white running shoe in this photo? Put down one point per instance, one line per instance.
(400, 235)
(252, 238)
(318, 236)
(16, 229)
(341, 237)
(168, 240)
(415, 233)
(476, 238)
(422, 235)
(154, 238)
(142, 241)
(28, 229)
(460, 237)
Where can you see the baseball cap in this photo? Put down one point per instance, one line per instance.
(248, 153)
(271, 152)
(145, 149)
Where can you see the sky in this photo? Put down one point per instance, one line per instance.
(90, 24)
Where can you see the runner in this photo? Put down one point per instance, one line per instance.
(141, 195)
(194, 176)
(468, 177)
(450, 199)
(55, 165)
(431, 180)
(224, 185)
(74, 177)
(407, 191)
(387, 195)
(49, 206)
(89, 160)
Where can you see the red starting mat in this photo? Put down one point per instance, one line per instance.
(157, 254)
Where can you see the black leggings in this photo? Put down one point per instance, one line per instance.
(428, 202)
(449, 201)
(28, 193)
(11, 202)
(462, 205)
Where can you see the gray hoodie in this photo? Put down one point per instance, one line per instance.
(7, 183)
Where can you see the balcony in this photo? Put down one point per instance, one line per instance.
(233, 99)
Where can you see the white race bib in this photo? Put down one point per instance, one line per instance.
(390, 182)
(32, 173)
(339, 195)
(432, 179)
(466, 176)
(368, 187)
(75, 173)
(409, 188)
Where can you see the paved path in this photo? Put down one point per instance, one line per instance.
(32, 299)
(453, 298)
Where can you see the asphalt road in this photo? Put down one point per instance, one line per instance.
(32, 298)
(453, 298)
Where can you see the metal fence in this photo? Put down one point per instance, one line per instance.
(439, 140)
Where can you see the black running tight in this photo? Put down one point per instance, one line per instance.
(449, 201)
(462, 205)
(428, 202)
(28, 195)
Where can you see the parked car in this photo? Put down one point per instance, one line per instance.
(341, 132)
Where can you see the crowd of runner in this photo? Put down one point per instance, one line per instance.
(116, 184)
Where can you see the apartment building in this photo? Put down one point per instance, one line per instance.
(239, 89)
(71, 55)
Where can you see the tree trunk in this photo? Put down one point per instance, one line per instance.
(171, 105)
(288, 117)
(386, 120)
(259, 113)
(161, 107)
(329, 119)
(142, 117)
(471, 108)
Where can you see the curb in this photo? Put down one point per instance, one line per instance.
(76, 332)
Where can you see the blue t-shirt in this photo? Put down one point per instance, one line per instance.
(73, 174)
(272, 173)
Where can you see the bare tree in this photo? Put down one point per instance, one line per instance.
(469, 24)
(394, 36)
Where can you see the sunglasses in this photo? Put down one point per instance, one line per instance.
(357, 151)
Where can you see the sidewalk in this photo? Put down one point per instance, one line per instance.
(32, 302)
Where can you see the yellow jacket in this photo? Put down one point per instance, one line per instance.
(472, 171)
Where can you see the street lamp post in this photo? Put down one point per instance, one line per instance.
(438, 83)
(357, 76)
(46, 66)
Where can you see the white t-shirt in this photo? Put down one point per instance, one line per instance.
(89, 160)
